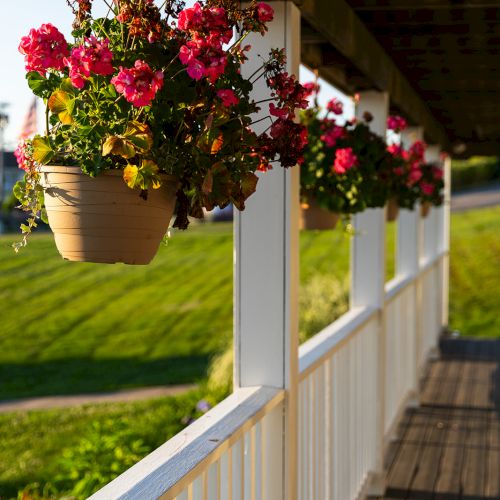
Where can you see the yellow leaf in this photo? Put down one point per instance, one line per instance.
(42, 150)
(217, 144)
(130, 174)
(117, 146)
(62, 104)
(149, 171)
(149, 167)
(139, 134)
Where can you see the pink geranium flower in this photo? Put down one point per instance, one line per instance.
(93, 56)
(335, 106)
(139, 84)
(265, 13)
(345, 159)
(278, 112)
(396, 123)
(228, 97)
(414, 176)
(395, 150)
(190, 18)
(332, 135)
(310, 88)
(204, 57)
(438, 173)
(427, 188)
(44, 48)
(417, 149)
(24, 156)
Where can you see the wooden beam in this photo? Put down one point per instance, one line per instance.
(340, 26)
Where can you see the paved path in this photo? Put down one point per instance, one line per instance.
(449, 447)
(477, 198)
(48, 402)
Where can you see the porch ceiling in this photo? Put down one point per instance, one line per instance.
(438, 59)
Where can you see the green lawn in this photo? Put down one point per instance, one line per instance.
(75, 327)
(475, 273)
(50, 447)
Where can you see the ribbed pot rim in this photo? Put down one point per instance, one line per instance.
(59, 169)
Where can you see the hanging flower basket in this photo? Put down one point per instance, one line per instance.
(150, 95)
(101, 220)
(312, 216)
(340, 172)
(425, 208)
(392, 210)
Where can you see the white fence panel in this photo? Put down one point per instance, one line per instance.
(337, 409)
(430, 299)
(401, 353)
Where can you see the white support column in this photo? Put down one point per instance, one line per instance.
(408, 231)
(431, 223)
(368, 248)
(444, 240)
(368, 275)
(266, 273)
(409, 252)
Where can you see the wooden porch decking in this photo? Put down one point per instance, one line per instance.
(449, 446)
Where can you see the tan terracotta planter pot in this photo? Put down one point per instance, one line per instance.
(315, 217)
(101, 219)
(425, 208)
(392, 210)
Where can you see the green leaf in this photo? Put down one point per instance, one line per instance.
(37, 83)
(19, 189)
(42, 150)
(43, 216)
(67, 86)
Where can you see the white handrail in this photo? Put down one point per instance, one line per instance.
(316, 349)
(175, 464)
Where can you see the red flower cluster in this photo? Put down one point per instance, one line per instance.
(332, 132)
(93, 56)
(258, 15)
(311, 88)
(228, 97)
(208, 31)
(288, 139)
(335, 106)
(44, 48)
(396, 123)
(290, 94)
(138, 84)
(427, 188)
(143, 17)
(287, 143)
(345, 159)
(265, 13)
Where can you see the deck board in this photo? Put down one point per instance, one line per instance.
(449, 446)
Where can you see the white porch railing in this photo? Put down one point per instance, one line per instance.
(308, 423)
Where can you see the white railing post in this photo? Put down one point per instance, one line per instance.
(266, 273)
(408, 229)
(431, 222)
(368, 275)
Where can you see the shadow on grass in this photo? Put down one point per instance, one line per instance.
(81, 376)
